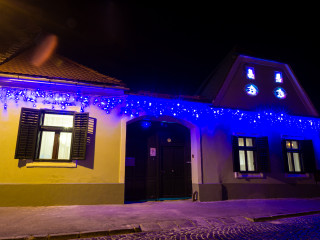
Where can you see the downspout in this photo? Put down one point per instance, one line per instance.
(201, 156)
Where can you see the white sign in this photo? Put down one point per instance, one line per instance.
(153, 152)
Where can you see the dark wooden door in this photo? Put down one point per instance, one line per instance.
(173, 181)
(158, 162)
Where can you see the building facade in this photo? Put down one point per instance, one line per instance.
(71, 135)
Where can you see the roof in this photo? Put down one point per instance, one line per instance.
(56, 67)
(11, 43)
(211, 86)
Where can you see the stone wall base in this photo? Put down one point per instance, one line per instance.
(216, 192)
(60, 194)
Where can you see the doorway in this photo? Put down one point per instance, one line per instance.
(158, 161)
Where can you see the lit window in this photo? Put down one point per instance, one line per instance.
(250, 73)
(246, 154)
(49, 135)
(278, 77)
(293, 156)
(251, 89)
(298, 155)
(280, 93)
(250, 154)
(56, 134)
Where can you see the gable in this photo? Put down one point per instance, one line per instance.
(265, 92)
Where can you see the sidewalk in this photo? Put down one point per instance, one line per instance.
(84, 220)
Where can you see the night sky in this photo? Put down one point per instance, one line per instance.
(171, 48)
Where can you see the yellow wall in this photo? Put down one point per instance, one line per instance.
(106, 156)
(22, 185)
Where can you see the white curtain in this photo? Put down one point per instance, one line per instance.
(47, 142)
(64, 145)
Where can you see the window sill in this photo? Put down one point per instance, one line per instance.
(248, 175)
(297, 175)
(51, 165)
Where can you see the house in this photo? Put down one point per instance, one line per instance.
(71, 135)
(269, 148)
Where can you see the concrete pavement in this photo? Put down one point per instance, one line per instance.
(66, 222)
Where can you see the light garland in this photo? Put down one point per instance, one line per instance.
(134, 106)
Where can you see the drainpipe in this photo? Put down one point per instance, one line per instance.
(201, 156)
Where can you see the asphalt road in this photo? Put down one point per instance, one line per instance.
(305, 227)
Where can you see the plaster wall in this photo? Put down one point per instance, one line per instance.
(43, 184)
(218, 160)
(219, 180)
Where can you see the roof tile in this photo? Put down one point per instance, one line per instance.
(56, 67)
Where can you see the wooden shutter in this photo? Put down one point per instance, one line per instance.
(284, 155)
(262, 154)
(307, 156)
(79, 136)
(235, 154)
(91, 130)
(27, 133)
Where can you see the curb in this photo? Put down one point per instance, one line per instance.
(274, 217)
(75, 235)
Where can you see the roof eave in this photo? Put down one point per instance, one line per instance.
(11, 77)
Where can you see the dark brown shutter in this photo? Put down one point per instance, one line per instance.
(307, 156)
(284, 156)
(79, 137)
(27, 133)
(262, 154)
(235, 154)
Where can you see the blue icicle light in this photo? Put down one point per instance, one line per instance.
(134, 106)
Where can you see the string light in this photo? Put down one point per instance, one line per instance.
(135, 106)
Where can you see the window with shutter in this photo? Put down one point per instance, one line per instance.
(51, 135)
(250, 154)
(298, 156)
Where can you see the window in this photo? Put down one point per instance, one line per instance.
(252, 90)
(298, 156)
(293, 155)
(247, 154)
(250, 154)
(280, 93)
(49, 135)
(278, 77)
(55, 136)
(250, 73)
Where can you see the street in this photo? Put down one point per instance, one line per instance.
(305, 227)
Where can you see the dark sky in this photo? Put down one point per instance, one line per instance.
(171, 48)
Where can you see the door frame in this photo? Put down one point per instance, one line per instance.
(195, 145)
